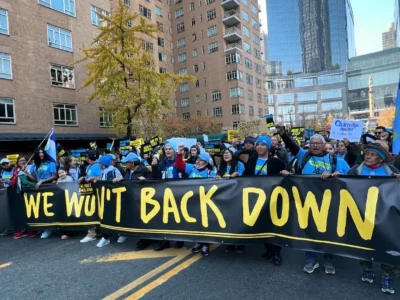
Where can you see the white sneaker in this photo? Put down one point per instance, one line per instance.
(88, 239)
(103, 242)
(46, 234)
(122, 239)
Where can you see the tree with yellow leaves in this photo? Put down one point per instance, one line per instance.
(122, 71)
(386, 116)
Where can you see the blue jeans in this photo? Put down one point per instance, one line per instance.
(313, 256)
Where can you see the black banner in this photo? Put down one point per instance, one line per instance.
(353, 217)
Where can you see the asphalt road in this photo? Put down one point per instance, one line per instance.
(54, 269)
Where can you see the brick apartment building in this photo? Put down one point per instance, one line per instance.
(218, 41)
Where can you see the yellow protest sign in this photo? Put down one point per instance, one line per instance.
(13, 158)
(137, 143)
(233, 134)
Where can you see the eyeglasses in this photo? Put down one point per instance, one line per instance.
(316, 144)
(5, 164)
(378, 132)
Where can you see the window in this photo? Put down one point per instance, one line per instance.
(194, 53)
(3, 21)
(163, 70)
(258, 68)
(161, 42)
(180, 27)
(159, 11)
(236, 92)
(162, 57)
(245, 16)
(254, 23)
(197, 84)
(246, 31)
(238, 109)
(208, 2)
(249, 79)
(94, 14)
(250, 95)
(251, 111)
(248, 63)
(213, 47)
(148, 46)
(7, 111)
(65, 6)
(183, 71)
(179, 13)
(198, 113)
(205, 99)
(212, 31)
(182, 57)
(191, 6)
(160, 26)
(212, 14)
(5, 66)
(145, 12)
(193, 21)
(234, 75)
(204, 65)
(59, 38)
(233, 58)
(106, 119)
(202, 49)
(253, 9)
(184, 87)
(62, 76)
(185, 102)
(197, 99)
(247, 47)
(235, 125)
(245, 2)
(181, 43)
(127, 3)
(65, 114)
(205, 81)
(186, 116)
(215, 96)
(260, 112)
(259, 98)
(258, 83)
(256, 39)
(194, 37)
(217, 112)
(196, 68)
(256, 53)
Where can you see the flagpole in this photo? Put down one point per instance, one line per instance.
(47, 135)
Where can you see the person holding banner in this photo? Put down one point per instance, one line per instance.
(315, 161)
(377, 162)
(6, 172)
(262, 164)
(71, 168)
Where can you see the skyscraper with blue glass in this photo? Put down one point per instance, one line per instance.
(310, 35)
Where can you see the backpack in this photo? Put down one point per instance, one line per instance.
(308, 155)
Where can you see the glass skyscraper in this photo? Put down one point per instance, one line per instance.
(310, 35)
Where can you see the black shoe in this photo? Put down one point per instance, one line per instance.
(230, 248)
(267, 255)
(163, 245)
(142, 244)
(205, 250)
(277, 260)
(197, 248)
(240, 249)
(179, 245)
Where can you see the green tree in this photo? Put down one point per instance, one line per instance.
(122, 71)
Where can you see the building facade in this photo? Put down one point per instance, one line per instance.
(397, 21)
(309, 36)
(383, 68)
(389, 38)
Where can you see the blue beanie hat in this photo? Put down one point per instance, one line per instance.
(105, 161)
(204, 156)
(170, 144)
(266, 140)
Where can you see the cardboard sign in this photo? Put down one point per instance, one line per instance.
(352, 130)
(93, 145)
(13, 158)
(233, 134)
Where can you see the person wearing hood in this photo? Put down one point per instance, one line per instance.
(377, 162)
(248, 147)
(262, 164)
(193, 154)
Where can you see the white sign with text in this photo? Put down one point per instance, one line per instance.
(352, 130)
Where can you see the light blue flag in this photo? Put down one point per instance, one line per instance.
(51, 147)
(396, 124)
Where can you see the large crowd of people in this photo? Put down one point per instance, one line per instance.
(256, 156)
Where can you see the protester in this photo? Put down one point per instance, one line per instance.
(348, 152)
(377, 162)
(63, 176)
(71, 167)
(6, 172)
(282, 152)
(315, 161)
(193, 154)
(234, 145)
(93, 172)
(329, 148)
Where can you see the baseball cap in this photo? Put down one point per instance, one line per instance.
(92, 155)
(131, 157)
(5, 161)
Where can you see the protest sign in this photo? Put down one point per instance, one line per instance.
(269, 119)
(352, 130)
(12, 158)
(233, 134)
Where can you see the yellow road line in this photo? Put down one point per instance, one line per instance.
(5, 265)
(164, 278)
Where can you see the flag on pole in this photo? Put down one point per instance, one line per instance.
(396, 124)
(51, 147)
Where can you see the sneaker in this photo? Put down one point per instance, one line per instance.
(46, 234)
(122, 239)
(387, 285)
(277, 260)
(368, 276)
(65, 237)
(142, 244)
(205, 250)
(20, 234)
(329, 268)
(163, 245)
(33, 234)
(88, 239)
(103, 242)
(229, 248)
(240, 249)
(310, 267)
(179, 245)
(196, 248)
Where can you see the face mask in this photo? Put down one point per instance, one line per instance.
(200, 167)
(136, 163)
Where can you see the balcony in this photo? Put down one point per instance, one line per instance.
(232, 34)
(230, 4)
(234, 47)
(231, 17)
